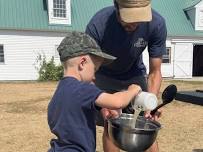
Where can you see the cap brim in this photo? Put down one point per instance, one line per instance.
(136, 14)
(107, 58)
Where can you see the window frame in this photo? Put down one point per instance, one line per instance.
(2, 54)
(167, 56)
(59, 20)
(200, 18)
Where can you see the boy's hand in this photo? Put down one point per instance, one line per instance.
(135, 87)
(107, 113)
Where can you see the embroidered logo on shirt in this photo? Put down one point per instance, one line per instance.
(140, 43)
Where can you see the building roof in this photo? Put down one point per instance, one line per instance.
(190, 3)
(33, 15)
(177, 22)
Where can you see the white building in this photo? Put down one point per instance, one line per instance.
(30, 28)
(184, 19)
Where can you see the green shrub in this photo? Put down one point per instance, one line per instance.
(48, 70)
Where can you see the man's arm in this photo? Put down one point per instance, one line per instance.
(154, 77)
(156, 48)
(154, 84)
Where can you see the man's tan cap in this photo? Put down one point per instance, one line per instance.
(135, 10)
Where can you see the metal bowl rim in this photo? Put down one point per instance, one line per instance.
(133, 130)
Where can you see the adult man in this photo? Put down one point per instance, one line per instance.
(124, 31)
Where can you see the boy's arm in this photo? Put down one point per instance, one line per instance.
(118, 100)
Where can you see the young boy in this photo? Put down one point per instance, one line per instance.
(71, 111)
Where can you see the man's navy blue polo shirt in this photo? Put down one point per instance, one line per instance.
(127, 47)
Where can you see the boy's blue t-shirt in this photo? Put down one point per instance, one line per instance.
(105, 28)
(71, 116)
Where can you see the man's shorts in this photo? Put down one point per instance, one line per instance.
(111, 85)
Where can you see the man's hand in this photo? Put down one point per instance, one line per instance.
(155, 117)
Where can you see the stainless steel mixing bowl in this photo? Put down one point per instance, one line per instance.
(133, 139)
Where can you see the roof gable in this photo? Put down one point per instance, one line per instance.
(200, 3)
(190, 3)
(177, 22)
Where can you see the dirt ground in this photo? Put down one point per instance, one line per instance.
(23, 119)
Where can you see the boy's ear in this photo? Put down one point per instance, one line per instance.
(83, 61)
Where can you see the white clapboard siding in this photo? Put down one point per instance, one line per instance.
(166, 68)
(21, 49)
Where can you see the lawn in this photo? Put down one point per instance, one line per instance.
(23, 119)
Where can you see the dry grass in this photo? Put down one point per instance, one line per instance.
(23, 119)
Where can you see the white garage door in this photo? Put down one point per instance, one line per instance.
(183, 58)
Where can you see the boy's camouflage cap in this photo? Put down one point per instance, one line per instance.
(79, 43)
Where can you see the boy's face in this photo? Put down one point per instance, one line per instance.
(89, 65)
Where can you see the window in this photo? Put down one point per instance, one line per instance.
(59, 12)
(167, 57)
(200, 19)
(59, 8)
(1, 54)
